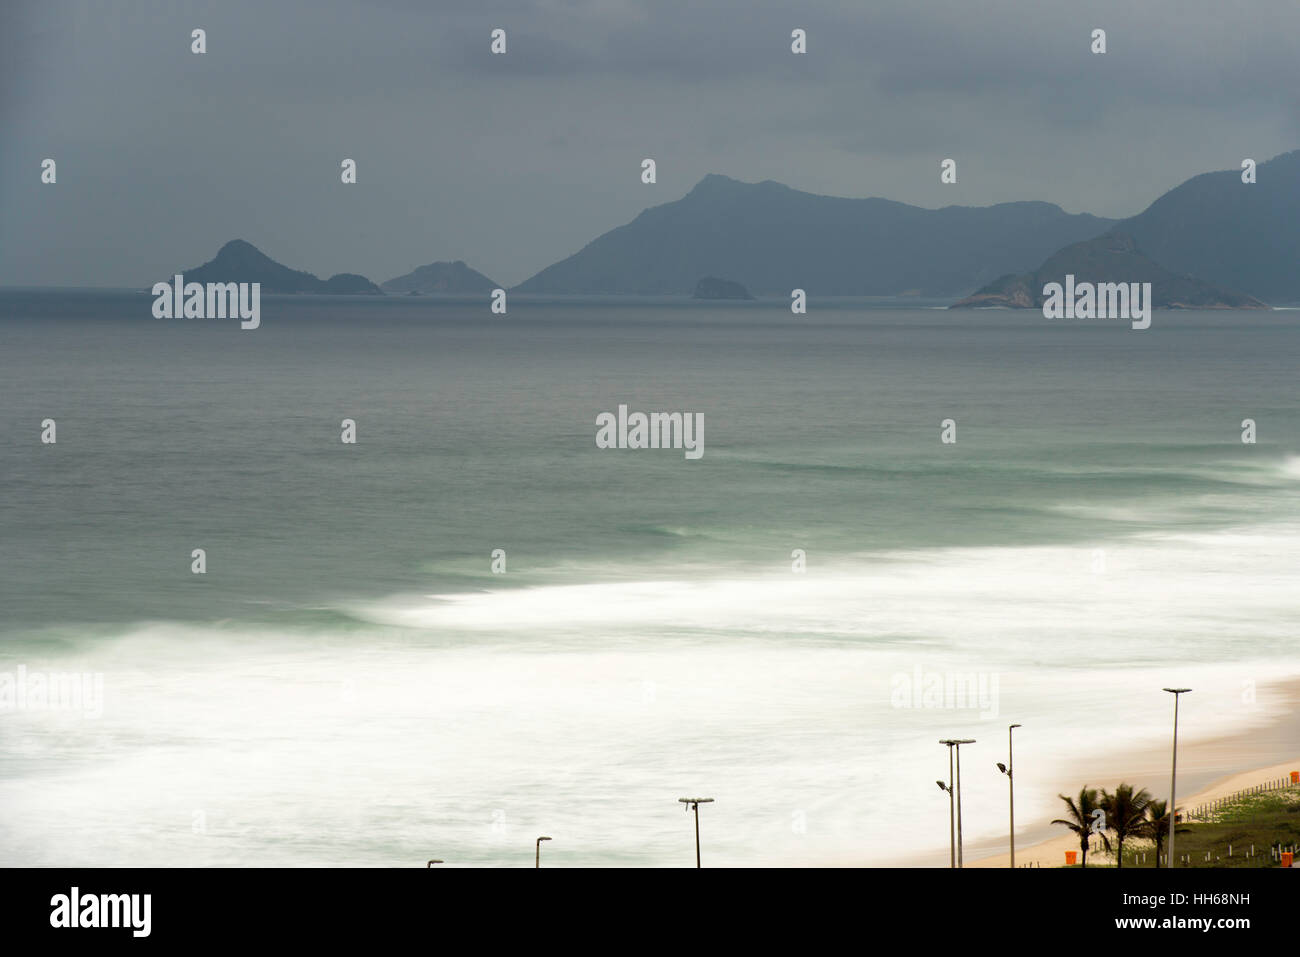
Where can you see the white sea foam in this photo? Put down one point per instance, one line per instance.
(988, 601)
(460, 724)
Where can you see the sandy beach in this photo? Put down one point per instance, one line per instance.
(1207, 770)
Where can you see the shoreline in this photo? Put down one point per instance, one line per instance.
(1208, 769)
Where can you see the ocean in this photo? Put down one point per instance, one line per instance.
(350, 683)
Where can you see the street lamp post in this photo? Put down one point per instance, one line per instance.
(952, 832)
(954, 744)
(1173, 776)
(952, 814)
(538, 859)
(432, 862)
(695, 803)
(1011, 788)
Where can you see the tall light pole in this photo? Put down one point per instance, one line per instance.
(695, 803)
(1011, 787)
(538, 860)
(431, 863)
(952, 814)
(955, 744)
(1173, 776)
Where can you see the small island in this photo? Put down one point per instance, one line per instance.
(1113, 257)
(711, 287)
(441, 277)
(241, 261)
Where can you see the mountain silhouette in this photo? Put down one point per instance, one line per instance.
(241, 261)
(1238, 235)
(441, 277)
(772, 239)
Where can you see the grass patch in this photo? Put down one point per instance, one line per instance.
(1264, 820)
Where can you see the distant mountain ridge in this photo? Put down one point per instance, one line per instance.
(241, 261)
(1243, 236)
(771, 239)
(450, 277)
(1116, 258)
(1239, 241)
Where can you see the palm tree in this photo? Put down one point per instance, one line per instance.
(1156, 826)
(1125, 815)
(1081, 820)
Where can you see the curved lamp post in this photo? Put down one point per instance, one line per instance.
(695, 804)
(954, 745)
(1011, 787)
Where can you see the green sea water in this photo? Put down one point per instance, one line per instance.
(349, 681)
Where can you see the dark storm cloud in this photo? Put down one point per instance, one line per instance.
(513, 162)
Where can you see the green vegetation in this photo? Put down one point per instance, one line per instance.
(1084, 819)
(1263, 820)
(1241, 833)
(1126, 816)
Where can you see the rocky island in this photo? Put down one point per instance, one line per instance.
(441, 277)
(1112, 258)
(240, 261)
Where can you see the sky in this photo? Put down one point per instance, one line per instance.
(512, 162)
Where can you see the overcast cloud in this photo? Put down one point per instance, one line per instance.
(513, 162)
